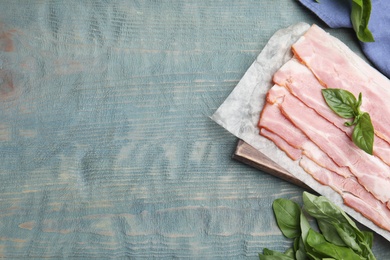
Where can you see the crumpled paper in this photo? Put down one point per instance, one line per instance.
(239, 113)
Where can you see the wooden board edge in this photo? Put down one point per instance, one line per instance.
(245, 153)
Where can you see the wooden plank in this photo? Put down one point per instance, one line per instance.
(247, 154)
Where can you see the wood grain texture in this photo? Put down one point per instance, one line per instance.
(106, 146)
(249, 155)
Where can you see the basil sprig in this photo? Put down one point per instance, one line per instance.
(338, 237)
(360, 16)
(344, 104)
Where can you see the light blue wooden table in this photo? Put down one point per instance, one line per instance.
(106, 145)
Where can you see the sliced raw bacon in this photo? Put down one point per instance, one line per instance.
(272, 120)
(291, 152)
(370, 171)
(301, 82)
(299, 122)
(354, 195)
(336, 66)
(346, 185)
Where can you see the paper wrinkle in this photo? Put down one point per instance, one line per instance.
(239, 113)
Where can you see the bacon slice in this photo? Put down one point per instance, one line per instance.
(272, 120)
(297, 119)
(275, 126)
(370, 171)
(291, 152)
(301, 82)
(336, 66)
(353, 194)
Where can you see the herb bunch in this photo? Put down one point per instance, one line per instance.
(338, 236)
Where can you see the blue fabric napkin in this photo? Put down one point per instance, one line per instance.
(336, 14)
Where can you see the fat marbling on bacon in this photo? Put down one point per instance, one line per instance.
(301, 82)
(297, 119)
(337, 66)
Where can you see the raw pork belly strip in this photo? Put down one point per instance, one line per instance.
(336, 66)
(297, 119)
(291, 152)
(370, 171)
(316, 162)
(340, 179)
(301, 82)
(353, 194)
(272, 120)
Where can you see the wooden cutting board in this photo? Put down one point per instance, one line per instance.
(249, 155)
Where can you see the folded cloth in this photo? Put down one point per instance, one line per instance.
(336, 14)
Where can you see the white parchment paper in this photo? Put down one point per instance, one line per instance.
(239, 113)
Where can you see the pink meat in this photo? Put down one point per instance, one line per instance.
(370, 171)
(275, 122)
(291, 152)
(301, 82)
(354, 195)
(275, 126)
(297, 119)
(366, 209)
(336, 66)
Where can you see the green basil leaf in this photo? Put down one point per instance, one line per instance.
(363, 133)
(368, 238)
(367, 252)
(304, 225)
(341, 101)
(360, 16)
(323, 210)
(340, 238)
(289, 252)
(326, 249)
(320, 207)
(300, 253)
(365, 240)
(287, 215)
(359, 102)
(296, 243)
(348, 236)
(273, 255)
(344, 104)
(313, 239)
(314, 257)
(330, 233)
